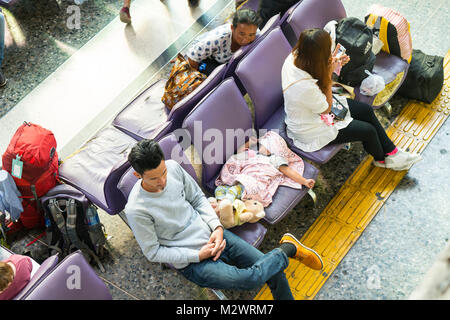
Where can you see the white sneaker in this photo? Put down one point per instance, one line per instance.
(400, 161)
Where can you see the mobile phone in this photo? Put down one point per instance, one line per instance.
(340, 52)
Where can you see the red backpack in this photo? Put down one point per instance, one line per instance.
(32, 161)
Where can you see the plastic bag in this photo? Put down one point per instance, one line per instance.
(372, 85)
(377, 44)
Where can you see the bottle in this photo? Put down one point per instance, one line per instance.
(95, 229)
(92, 216)
(47, 222)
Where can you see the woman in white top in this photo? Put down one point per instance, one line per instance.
(307, 82)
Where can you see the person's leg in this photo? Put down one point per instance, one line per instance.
(243, 255)
(193, 3)
(364, 112)
(366, 133)
(365, 127)
(395, 158)
(2, 47)
(2, 37)
(124, 13)
(251, 270)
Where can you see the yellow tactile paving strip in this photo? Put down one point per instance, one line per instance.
(346, 216)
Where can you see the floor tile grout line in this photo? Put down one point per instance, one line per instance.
(117, 287)
(429, 18)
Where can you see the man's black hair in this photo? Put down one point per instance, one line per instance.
(145, 155)
(246, 16)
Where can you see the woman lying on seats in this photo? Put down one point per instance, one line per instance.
(174, 223)
(261, 171)
(307, 89)
(217, 46)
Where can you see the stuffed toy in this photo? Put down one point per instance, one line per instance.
(237, 212)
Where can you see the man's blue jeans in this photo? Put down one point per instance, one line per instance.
(2, 37)
(242, 267)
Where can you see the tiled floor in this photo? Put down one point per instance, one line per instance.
(391, 256)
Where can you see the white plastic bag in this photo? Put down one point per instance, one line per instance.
(372, 85)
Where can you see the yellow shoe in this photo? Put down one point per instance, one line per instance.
(305, 255)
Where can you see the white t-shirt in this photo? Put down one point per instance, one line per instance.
(303, 104)
(214, 44)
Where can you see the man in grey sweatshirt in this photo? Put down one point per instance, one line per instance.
(174, 223)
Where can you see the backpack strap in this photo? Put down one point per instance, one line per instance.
(56, 213)
(377, 26)
(290, 85)
(71, 209)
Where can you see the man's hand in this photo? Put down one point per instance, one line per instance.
(219, 243)
(206, 251)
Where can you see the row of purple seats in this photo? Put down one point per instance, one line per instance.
(147, 116)
(97, 166)
(225, 110)
(70, 279)
(100, 168)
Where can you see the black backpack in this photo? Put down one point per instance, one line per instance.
(357, 38)
(72, 223)
(425, 77)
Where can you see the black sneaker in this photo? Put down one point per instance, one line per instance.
(3, 80)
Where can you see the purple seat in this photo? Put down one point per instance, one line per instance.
(43, 270)
(171, 149)
(237, 56)
(49, 281)
(97, 166)
(311, 14)
(225, 113)
(147, 116)
(387, 66)
(253, 233)
(72, 279)
(260, 74)
(276, 122)
(7, 3)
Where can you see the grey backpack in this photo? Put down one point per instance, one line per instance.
(72, 223)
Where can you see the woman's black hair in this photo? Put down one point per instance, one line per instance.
(145, 155)
(246, 16)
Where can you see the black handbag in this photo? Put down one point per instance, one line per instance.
(425, 77)
(338, 109)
